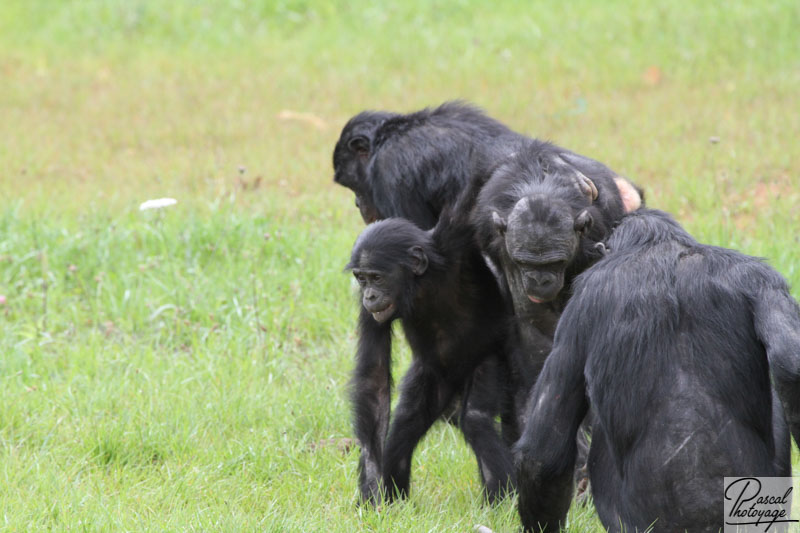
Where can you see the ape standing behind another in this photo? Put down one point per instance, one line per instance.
(671, 343)
(415, 165)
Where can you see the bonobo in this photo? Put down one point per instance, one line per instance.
(456, 322)
(539, 217)
(671, 343)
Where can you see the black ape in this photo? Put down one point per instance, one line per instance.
(456, 322)
(671, 343)
(414, 165)
(539, 217)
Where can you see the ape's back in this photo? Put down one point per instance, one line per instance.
(424, 160)
(677, 378)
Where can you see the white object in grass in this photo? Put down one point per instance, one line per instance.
(157, 203)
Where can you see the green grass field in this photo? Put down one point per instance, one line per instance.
(187, 369)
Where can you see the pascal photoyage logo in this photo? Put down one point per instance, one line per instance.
(759, 505)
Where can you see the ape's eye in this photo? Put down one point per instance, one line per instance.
(377, 278)
(361, 279)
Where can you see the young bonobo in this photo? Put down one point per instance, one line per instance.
(671, 343)
(455, 320)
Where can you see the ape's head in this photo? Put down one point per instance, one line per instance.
(387, 259)
(542, 237)
(351, 155)
(647, 227)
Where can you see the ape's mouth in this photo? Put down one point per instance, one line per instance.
(369, 216)
(536, 300)
(384, 314)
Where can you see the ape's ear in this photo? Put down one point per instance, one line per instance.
(586, 186)
(583, 222)
(360, 145)
(632, 196)
(499, 223)
(419, 261)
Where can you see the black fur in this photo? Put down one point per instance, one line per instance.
(671, 343)
(417, 163)
(533, 211)
(351, 157)
(456, 322)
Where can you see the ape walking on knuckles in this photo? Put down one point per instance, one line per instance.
(456, 322)
(671, 343)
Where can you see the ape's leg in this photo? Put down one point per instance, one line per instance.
(481, 404)
(783, 443)
(582, 459)
(505, 386)
(423, 397)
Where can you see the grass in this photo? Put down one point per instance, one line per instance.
(187, 369)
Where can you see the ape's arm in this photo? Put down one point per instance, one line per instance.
(371, 398)
(545, 454)
(777, 324)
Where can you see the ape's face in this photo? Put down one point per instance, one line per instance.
(542, 238)
(380, 290)
(386, 259)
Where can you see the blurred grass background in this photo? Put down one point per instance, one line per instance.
(186, 369)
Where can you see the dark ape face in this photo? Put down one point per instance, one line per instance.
(350, 158)
(384, 285)
(542, 238)
(380, 290)
(385, 260)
